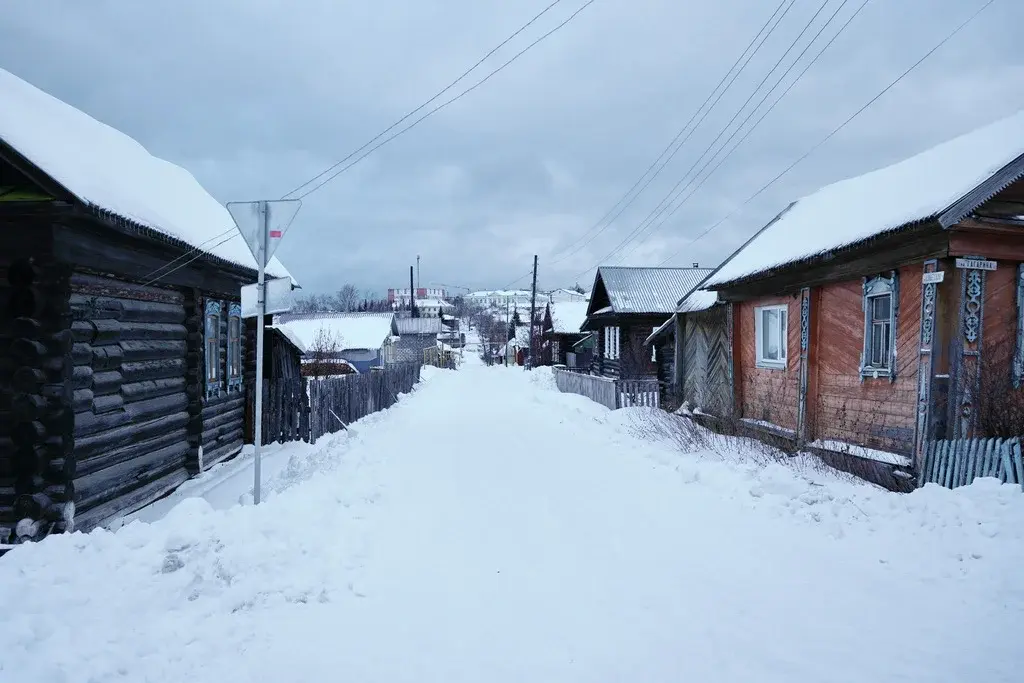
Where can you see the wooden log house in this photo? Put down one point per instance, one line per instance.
(886, 310)
(626, 306)
(121, 371)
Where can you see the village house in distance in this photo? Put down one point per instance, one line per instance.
(881, 316)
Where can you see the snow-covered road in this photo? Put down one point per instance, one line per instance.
(488, 528)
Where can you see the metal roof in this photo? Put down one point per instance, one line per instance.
(648, 290)
(418, 325)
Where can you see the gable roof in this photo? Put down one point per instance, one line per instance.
(568, 317)
(942, 184)
(110, 172)
(645, 290)
(355, 330)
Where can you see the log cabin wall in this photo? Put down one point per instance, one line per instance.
(223, 411)
(36, 466)
(877, 413)
(130, 395)
(767, 394)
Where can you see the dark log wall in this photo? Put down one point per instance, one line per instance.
(130, 395)
(878, 413)
(767, 395)
(36, 466)
(223, 413)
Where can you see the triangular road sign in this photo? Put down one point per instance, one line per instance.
(249, 217)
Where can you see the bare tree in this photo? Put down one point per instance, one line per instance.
(323, 358)
(347, 298)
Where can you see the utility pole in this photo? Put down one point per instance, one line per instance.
(533, 313)
(412, 296)
(417, 271)
(508, 323)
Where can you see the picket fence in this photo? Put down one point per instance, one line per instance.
(611, 393)
(952, 463)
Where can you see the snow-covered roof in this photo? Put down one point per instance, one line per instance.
(928, 186)
(568, 317)
(106, 169)
(351, 330)
(648, 290)
(433, 303)
(290, 335)
(698, 300)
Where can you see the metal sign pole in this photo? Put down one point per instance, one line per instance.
(261, 303)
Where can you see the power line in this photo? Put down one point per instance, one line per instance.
(845, 123)
(199, 249)
(682, 130)
(667, 200)
(652, 228)
(436, 95)
(444, 104)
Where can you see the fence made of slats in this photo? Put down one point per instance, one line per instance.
(952, 463)
(598, 389)
(336, 402)
(638, 393)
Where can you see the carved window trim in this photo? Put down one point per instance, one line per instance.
(211, 347)
(875, 289)
(1018, 364)
(235, 334)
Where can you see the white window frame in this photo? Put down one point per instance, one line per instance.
(611, 343)
(654, 348)
(874, 288)
(771, 363)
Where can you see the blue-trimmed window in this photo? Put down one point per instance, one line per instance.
(881, 302)
(234, 347)
(211, 355)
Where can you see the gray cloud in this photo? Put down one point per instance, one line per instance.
(255, 96)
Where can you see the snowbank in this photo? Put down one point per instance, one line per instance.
(448, 543)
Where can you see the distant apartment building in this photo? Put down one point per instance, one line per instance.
(500, 298)
(401, 296)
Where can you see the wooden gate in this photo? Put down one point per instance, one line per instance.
(958, 462)
(705, 371)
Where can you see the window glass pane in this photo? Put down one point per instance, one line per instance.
(211, 360)
(770, 335)
(880, 307)
(233, 327)
(875, 351)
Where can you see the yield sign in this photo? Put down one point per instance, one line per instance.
(263, 219)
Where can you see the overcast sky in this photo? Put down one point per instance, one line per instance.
(256, 96)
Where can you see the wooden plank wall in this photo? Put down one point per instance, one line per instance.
(706, 360)
(1000, 406)
(766, 394)
(130, 397)
(877, 413)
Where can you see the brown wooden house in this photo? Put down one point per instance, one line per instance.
(122, 350)
(887, 310)
(625, 306)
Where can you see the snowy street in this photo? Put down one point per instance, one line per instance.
(489, 528)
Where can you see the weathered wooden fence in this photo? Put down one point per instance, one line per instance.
(634, 393)
(611, 393)
(598, 389)
(306, 408)
(338, 400)
(953, 463)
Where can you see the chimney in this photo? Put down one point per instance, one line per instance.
(696, 265)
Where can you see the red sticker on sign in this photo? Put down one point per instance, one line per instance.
(275, 234)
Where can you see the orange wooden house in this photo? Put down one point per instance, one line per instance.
(887, 310)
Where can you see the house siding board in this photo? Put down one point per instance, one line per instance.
(877, 413)
(765, 394)
(1001, 406)
(130, 401)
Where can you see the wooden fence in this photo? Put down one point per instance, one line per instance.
(953, 463)
(306, 408)
(611, 393)
(338, 400)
